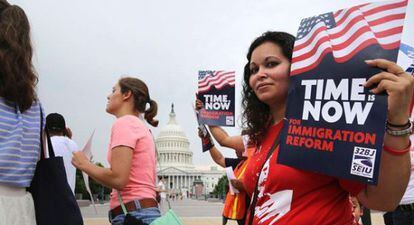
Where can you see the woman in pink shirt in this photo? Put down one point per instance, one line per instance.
(131, 153)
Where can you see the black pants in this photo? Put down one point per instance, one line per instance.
(388, 218)
(366, 217)
(403, 217)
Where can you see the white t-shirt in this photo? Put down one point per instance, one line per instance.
(161, 186)
(64, 147)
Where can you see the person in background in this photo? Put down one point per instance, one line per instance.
(357, 209)
(235, 204)
(20, 117)
(238, 142)
(388, 218)
(62, 144)
(162, 190)
(131, 153)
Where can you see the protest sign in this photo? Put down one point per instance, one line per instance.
(216, 91)
(87, 150)
(334, 125)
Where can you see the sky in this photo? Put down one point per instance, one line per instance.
(82, 48)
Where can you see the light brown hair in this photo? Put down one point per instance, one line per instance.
(141, 96)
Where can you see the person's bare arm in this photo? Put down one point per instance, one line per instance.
(395, 169)
(116, 176)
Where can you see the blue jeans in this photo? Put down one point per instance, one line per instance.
(403, 217)
(147, 215)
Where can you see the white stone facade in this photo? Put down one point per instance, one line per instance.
(175, 161)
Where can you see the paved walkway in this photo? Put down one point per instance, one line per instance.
(186, 221)
(192, 212)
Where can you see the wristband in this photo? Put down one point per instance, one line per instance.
(398, 125)
(398, 152)
(207, 142)
(406, 131)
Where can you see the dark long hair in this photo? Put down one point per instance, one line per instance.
(141, 96)
(256, 114)
(17, 77)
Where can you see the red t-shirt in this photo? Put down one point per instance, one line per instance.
(293, 196)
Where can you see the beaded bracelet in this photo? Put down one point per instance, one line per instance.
(398, 152)
(400, 132)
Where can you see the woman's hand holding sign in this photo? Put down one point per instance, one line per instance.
(395, 160)
(399, 86)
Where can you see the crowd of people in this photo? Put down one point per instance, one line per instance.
(267, 192)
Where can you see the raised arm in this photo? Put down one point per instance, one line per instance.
(221, 136)
(395, 159)
(217, 157)
(215, 154)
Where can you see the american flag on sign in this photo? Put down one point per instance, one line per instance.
(346, 32)
(216, 78)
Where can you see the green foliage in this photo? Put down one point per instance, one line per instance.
(96, 188)
(221, 188)
(80, 185)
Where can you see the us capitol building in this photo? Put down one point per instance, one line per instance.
(175, 162)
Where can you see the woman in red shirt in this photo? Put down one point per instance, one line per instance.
(292, 196)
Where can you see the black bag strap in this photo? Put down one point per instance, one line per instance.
(49, 145)
(256, 190)
(42, 147)
(49, 142)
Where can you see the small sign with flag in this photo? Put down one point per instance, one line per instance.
(216, 91)
(334, 125)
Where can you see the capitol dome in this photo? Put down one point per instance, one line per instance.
(173, 145)
(175, 161)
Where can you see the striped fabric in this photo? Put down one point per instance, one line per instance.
(19, 144)
(216, 78)
(347, 32)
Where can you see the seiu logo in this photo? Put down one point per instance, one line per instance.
(363, 161)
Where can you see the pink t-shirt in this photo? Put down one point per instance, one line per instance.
(130, 131)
